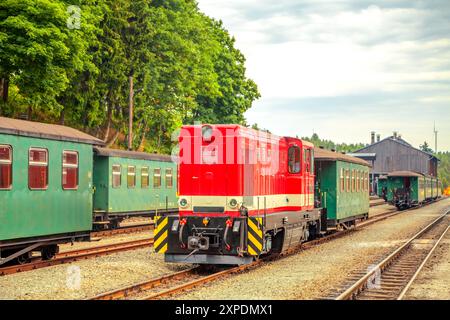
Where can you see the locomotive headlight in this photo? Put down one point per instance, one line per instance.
(207, 132)
(233, 203)
(183, 203)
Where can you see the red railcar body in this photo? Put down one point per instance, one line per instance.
(246, 165)
(242, 193)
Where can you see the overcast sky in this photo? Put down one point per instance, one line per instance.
(344, 68)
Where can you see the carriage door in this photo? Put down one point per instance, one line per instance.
(249, 151)
(294, 180)
(307, 177)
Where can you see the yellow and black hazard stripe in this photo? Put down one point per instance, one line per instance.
(160, 236)
(254, 236)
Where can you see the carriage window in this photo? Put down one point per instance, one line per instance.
(358, 181)
(144, 177)
(116, 176)
(38, 169)
(70, 170)
(353, 180)
(157, 178)
(362, 182)
(342, 180)
(131, 177)
(294, 159)
(169, 178)
(5, 167)
(347, 176)
(367, 181)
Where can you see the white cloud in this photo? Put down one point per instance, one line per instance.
(338, 49)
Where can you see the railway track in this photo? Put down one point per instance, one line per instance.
(377, 203)
(168, 285)
(176, 283)
(123, 230)
(76, 255)
(392, 277)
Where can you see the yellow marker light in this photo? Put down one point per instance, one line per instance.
(205, 221)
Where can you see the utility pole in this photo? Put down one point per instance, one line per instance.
(435, 138)
(130, 115)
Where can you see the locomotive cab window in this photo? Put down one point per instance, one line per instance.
(144, 177)
(169, 178)
(5, 167)
(157, 178)
(116, 176)
(70, 170)
(307, 157)
(294, 159)
(131, 177)
(38, 169)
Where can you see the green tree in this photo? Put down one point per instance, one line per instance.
(444, 168)
(425, 147)
(237, 92)
(183, 64)
(40, 53)
(328, 144)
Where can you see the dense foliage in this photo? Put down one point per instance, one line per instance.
(444, 168)
(71, 61)
(330, 145)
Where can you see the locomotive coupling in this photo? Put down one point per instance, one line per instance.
(196, 242)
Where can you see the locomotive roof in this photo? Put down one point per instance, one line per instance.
(327, 155)
(45, 131)
(405, 174)
(105, 152)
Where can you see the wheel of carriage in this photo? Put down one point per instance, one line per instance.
(24, 258)
(49, 252)
(114, 224)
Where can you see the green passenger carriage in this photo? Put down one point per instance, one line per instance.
(382, 187)
(129, 183)
(407, 189)
(45, 188)
(342, 188)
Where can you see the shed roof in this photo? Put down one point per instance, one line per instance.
(105, 152)
(365, 156)
(45, 131)
(405, 174)
(399, 141)
(327, 155)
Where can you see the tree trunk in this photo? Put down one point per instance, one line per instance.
(108, 124)
(61, 118)
(159, 137)
(4, 88)
(141, 144)
(113, 139)
(130, 114)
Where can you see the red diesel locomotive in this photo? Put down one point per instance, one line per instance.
(242, 193)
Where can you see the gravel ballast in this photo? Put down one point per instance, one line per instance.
(307, 275)
(84, 279)
(320, 271)
(433, 281)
